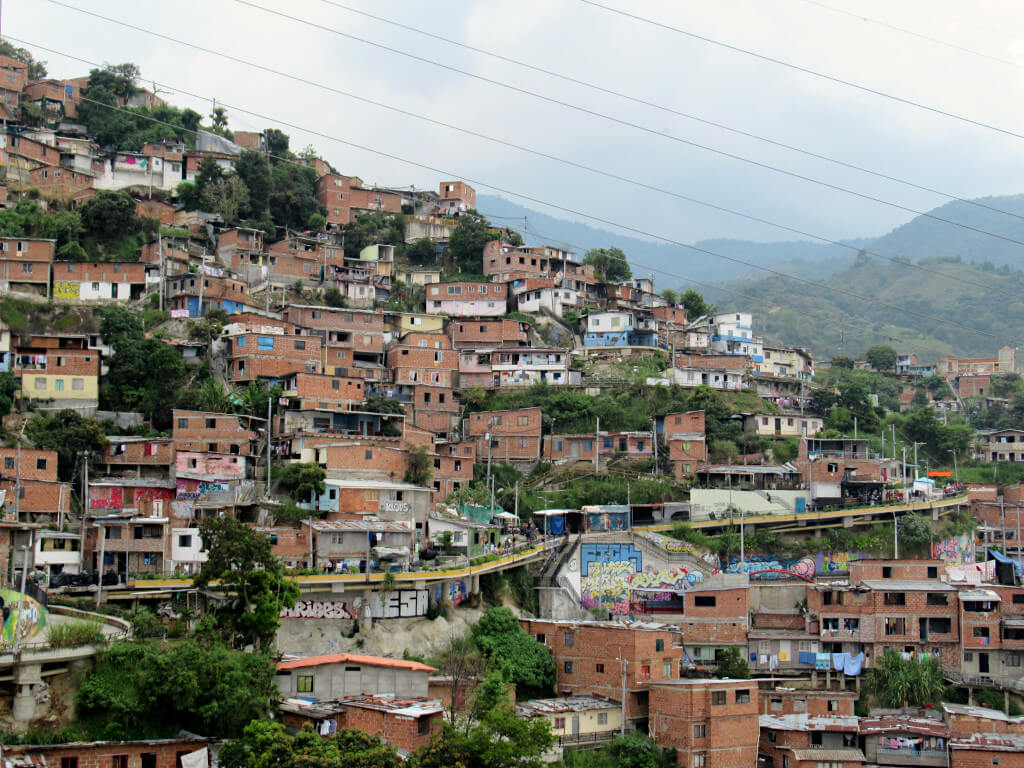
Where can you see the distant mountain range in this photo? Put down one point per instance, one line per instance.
(955, 260)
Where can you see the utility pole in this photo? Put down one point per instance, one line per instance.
(490, 442)
(21, 597)
(622, 728)
(517, 500)
(956, 470)
(270, 412)
(160, 251)
(895, 537)
(99, 566)
(916, 444)
(17, 481)
(654, 439)
(1002, 521)
(903, 468)
(202, 282)
(597, 446)
(854, 427)
(893, 440)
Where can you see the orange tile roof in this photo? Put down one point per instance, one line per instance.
(342, 658)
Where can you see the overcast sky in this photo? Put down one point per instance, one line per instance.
(588, 43)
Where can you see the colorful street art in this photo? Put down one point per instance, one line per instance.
(106, 497)
(609, 571)
(821, 564)
(319, 609)
(66, 289)
(33, 617)
(457, 592)
(397, 604)
(958, 550)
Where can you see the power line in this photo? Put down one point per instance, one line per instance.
(572, 211)
(912, 33)
(607, 174)
(671, 110)
(805, 70)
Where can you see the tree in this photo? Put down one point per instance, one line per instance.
(634, 749)
(915, 533)
(508, 648)
(149, 689)
(422, 252)
(36, 69)
(292, 194)
(492, 737)
(219, 117)
(304, 481)
(119, 326)
(881, 357)
(226, 197)
(144, 375)
(896, 682)
(609, 264)
(266, 744)
(672, 297)
(250, 575)
(466, 244)
(69, 434)
(9, 387)
(461, 665)
(108, 215)
(277, 141)
(254, 171)
(694, 304)
(385, 405)
(335, 298)
(732, 665)
(209, 395)
(420, 467)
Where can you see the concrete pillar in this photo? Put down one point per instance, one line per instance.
(26, 678)
(474, 584)
(1006, 700)
(970, 696)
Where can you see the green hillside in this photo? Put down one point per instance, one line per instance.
(830, 323)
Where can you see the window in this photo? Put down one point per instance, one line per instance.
(698, 760)
(940, 626)
(602, 718)
(645, 671)
(27, 268)
(304, 684)
(833, 705)
(119, 761)
(981, 632)
(40, 382)
(743, 697)
(369, 454)
(69, 762)
(559, 723)
(895, 598)
(300, 345)
(833, 467)
(936, 598)
(9, 463)
(895, 626)
(265, 343)
(1018, 599)
(40, 463)
(78, 383)
(599, 668)
(569, 638)
(567, 667)
(816, 738)
(718, 698)
(886, 571)
(148, 760)
(58, 385)
(666, 669)
(541, 638)
(700, 731)
(704, 601)
(1012, 660)
(933, 573)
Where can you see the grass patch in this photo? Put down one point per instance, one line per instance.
(65, 321)
(74, 635)
(14, 313)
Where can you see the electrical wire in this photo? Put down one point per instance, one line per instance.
(610, 175)
(672, 110)
(568, 105)
(555, 206)
(804, 70)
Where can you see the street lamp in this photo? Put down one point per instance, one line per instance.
(956, 469)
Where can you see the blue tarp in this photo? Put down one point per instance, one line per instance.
(806, 657)
(556, 525)
(1001, 558)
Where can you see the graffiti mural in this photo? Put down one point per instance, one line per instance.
(66, 289)
(958, 550)
(106, 497)
(153, 494)
(608, 585)
(808, 566)
(319, 609)
(32, 620)
(457, 592)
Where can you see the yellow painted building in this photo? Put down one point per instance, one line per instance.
(418, 276)
(576, 718)
(420, 322)
(61, 388)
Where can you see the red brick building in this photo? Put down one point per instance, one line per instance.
(486, 332)
(405, 724)
(160, 753)
(345, 198)
(215, 432)
(687, 442)
(352, 339)
(515, 434)
(715, 616)
(26, 264)
(424, 373)
(273, 356)
(710, 723)
(589, 658)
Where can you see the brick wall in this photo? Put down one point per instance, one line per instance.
(196, 430)
(367, 457)
(102, 754)
(400, 731)
(473, 333)
(35, 465)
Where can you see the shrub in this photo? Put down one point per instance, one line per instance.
(75, 634)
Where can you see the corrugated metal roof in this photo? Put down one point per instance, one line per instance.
(969, 710)
(985, 595)
(359, 526)
(923, 726)
(540, 707)
(805, 722)
(300, 662)
(991, 742)
(834, 755)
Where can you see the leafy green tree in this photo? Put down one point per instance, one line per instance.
(277, 141)
(219, 117)
(254, 171)
(335, 298)
(881, 357)
(609, 264)
(317, 222)
(420, 466)
(920, 399)
(251, 576)
(509, 649)
(694, 304)
(148, 689)
(108, 215)
(731, 665)
(144, 375)
(304, 481)
(672, 297)
(895, 682)
(423, 251)
(119, 326)
(466, 244)
(915, 533)
(381, 404)
(267, 744)
(842, 361)
(292, 194)
(492, 737)
(9, 387)
(67, 433)
(208, 395)
(226, 197)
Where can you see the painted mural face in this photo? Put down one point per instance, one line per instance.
(33, 617)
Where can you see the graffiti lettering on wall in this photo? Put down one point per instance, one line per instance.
(199, 489)
(607, 585)
(114, 498)
(318, 609)
(183, 510)
(398, 604)
(153, 494)
(958, 550)
(677, 547)
(607, 553)
(456, 591)
(822, 564)
(32, 619)
(65, 289)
